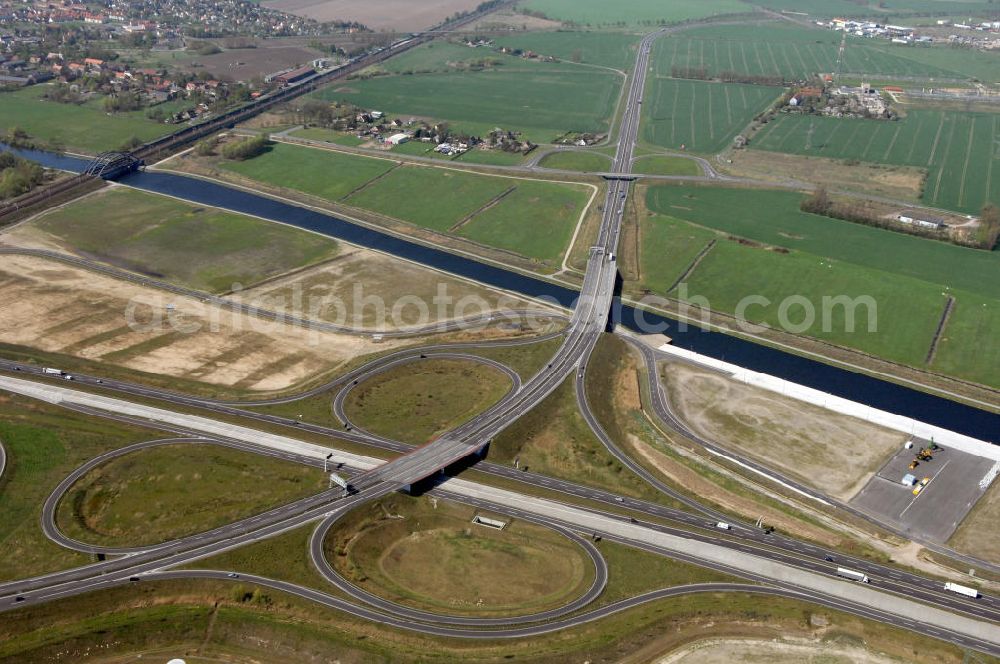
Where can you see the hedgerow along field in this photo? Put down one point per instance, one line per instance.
(84, 128)
(533, 218)
(700, 116)
(607, 49)
(542, 100)
(600, 13)
(794, 53)
(958, 149)
(908, 277)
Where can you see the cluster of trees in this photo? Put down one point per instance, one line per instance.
(203, 47)
(819, 202)
(17, 138)
(246, 148)
(18, 176)
(123, 102)
(64, 94)
(206, 147)
(989, 227)
(695, 73)
(985, 237)
(754, 79)
(703, 74)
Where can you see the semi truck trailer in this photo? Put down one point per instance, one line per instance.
(852, 574)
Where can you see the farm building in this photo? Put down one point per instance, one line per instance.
(396, 139)
(924, 221)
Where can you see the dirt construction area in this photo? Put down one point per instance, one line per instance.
(785, 651)
(833, 453)
(56, 308)
(902, 182)
(978, 533)
(243, 64)
(392, 15)
(364, 288)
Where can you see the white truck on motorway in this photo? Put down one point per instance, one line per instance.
(722, 525)
(962, 590)
(50, 370)
(852, 574)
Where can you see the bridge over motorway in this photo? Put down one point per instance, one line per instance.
(590, 318)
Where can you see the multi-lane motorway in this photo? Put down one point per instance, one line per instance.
(590, 319)
(785, 566)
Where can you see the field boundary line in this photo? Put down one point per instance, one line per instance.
(483, 208)
(949, 306)
(774, 60)
(369, 183)
(729, 107)
(694, 107)
(990, 160)
(914, 141)
(802, 61)
(888, 150)
(711, 123)
(968, 156)
(937, 137)
(743, 54)
(694, 264)
(944, 162)
(673, 112)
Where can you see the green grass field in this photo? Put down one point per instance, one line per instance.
(907, 311)
(773, 217)
(171, 491)
(533, 218)
(418, 401)
(668, 247)
(536, 219)
(700, 116)
(440, 55)
(957, 148)
(576, 160)
(597, 13)
(429, 557)
(430, 197)
(492, 158)
(608, 49)
(906, 276)
(86, 128)
(45, 443)
(202, 248)
(666, 165)
(325, 173)
(328, 135)
(792, 53)
(973, 318)
(542, 100)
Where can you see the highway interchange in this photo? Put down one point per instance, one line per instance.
(411, 465)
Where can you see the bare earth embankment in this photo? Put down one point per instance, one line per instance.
(833, 453)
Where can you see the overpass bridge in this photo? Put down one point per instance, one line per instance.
(590, 319)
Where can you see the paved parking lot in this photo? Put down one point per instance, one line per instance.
(941, 505)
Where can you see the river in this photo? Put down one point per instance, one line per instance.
(866, 389)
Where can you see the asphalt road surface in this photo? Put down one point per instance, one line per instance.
(792, 572)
